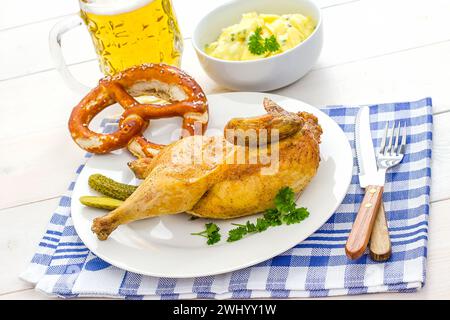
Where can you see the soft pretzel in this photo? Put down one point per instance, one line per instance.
(185, 96)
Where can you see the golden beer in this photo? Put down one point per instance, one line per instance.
(131, 32)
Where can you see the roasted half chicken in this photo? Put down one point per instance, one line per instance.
(224, 177)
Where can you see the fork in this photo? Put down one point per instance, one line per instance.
(391, 152)
(388, 156)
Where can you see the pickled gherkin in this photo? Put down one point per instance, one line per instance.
(110, 188)
(100, 202)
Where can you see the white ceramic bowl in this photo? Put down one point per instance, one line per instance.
(263, 74)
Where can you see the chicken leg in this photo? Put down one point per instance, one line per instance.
(200, 175)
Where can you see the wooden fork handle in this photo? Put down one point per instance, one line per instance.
(362, 227)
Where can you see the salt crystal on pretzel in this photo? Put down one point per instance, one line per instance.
(185, 99)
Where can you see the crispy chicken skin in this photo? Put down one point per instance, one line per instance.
(200, 175)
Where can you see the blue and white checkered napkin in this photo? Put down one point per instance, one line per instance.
(63, 266)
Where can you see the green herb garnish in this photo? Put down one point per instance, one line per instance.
(271, 44)
(237, 233)
(258, 45)
(284, 211)
(273, 217)
(255, 42)
(296, 216)
(285, 205)
(211, 232)
(284, 201)
(262, 225)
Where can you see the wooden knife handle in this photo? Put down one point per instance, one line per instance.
(362, 227)
(380, 242)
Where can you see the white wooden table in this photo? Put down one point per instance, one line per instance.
(374, 51)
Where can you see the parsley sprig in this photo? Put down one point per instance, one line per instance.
(271, 44)
(258, 45)
(244, 229)
(211, 232)
(285, 211)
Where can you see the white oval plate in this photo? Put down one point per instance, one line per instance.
(163, 246)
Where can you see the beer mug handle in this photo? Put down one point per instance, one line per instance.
(55, 50)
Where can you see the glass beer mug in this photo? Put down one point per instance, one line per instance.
(125, 33)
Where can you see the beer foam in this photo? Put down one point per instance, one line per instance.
(112, 7)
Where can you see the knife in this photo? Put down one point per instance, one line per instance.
(369, 179)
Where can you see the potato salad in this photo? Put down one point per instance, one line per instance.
(259, 36)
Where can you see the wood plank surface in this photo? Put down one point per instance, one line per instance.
(374, 51)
